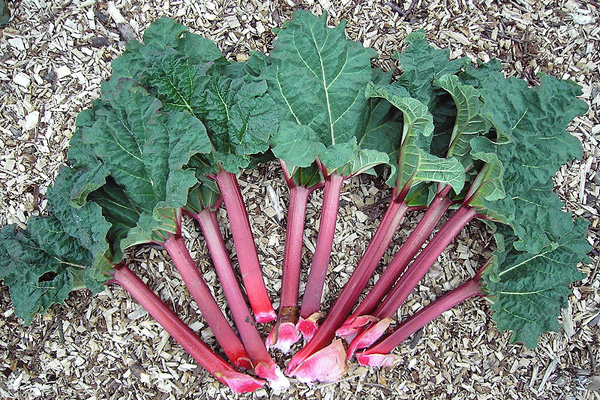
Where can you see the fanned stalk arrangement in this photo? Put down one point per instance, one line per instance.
(177, 123)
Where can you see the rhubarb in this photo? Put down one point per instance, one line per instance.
(317, 78)
(187, 73)
(204, 356)
(73, 250)
(204, 212)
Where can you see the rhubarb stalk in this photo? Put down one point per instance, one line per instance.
(311, 300)
(245, 247)
(411, 277)
(285, 334)
(221, 370)
(353, 288)
(403, 257)
(264, 365)
(379, 354)
(211, 312)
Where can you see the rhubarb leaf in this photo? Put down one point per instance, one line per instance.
(188, 73)
(532, 210)
(491, 174)
(59, 253)
(203, 196)
(162, 39)
(415, 163)
(533, 214)
(41, 265)
(317, 79)
(534, 119)
(383, 121)
(130, 130)
(533, 287)
(84, 223)
(469, 120)
(297, 144)
(119, 210)
(240, 119)
(422, 65)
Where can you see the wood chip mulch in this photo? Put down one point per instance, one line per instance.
(55, 54)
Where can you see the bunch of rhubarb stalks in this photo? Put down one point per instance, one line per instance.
(177, 123)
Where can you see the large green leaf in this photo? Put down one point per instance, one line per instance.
(533, 119)
(422, 65)
(84, 222)
(188, 73)
(488, 185)
(60, 253)
(415, 163)
(383, 124)
(119, 210)
(130, 131)
(317, 78)
(41, 265)
(91, 181)
(469, 120)
(529, 289)
(296, 144)
(163, 37)
(240, 118)
(532, 210)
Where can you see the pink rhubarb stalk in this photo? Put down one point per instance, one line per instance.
(392, 272)
(351, 292)
(379, 354)
(264, 366)
(415, 272)
(245, 247)
(311, 300)
(204, 356)
(211, 312)
(285, 334)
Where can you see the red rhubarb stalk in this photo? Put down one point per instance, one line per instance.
(425, 260)
(353, 288)
(407, 252)
(311, 300)
(285, 334)
(245, 247)
(415, 272)
(264, 365)
(379, 354)
(292, 256)
(211, 312)
(221, 370)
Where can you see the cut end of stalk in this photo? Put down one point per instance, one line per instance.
(242, 363)
(326, 365)
(308, 326)
(283, 336)
(370, 336)
(273, 374)
(265, 316)
(378, 360)
(238, 382)
(351, 327)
